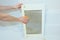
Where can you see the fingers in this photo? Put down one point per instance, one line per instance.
(24, 20)
(19, 5)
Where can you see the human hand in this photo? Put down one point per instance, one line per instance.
(24, 19)
(18, 6)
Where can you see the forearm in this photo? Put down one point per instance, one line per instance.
(11, 19)
(6, 7)
(2, 15)
(6, 17)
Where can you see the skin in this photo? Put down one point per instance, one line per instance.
(18, 6)
(6, 17)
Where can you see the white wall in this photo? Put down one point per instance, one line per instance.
(52, 28)
(52, 25)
